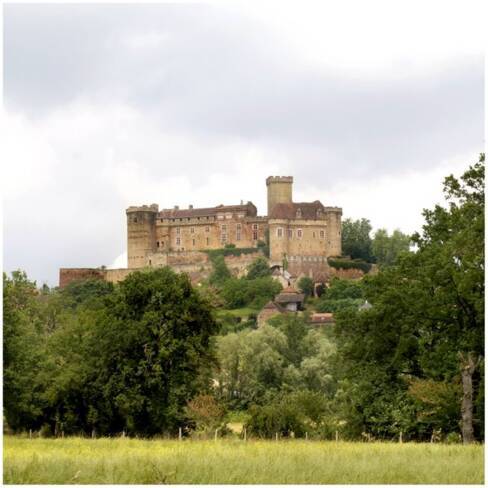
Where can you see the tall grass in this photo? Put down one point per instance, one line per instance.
(135, 461)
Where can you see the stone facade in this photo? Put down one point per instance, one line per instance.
(301, 234)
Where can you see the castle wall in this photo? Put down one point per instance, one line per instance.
(141, 238)
(68, 275)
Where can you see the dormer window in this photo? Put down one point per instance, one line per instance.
(319, 213)
(299, 213)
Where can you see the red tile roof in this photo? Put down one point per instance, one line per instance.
(307, 210)
(249, 210)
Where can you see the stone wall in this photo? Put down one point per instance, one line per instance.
(68, 275)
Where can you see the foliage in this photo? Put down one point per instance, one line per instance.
(128, 359)
(305, 285)
(230, 250)
(356, 240)
(427, 318)
(242, 292)
(386, 249)
(341, 263)
(220, 273)
(259, 268)
(205, 412)
(340, 295)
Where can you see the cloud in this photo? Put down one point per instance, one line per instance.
(114, 105)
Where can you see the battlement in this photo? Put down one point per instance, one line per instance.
(154, 207)
(278, 179)
(333, 209)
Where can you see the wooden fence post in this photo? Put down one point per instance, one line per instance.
(62, 434)
(401, 437)
(337, 436)
(30, 433)
(245, 434)
(216, 434)
(276, 435)
(180, 434)
(93, 434)
(306, 436)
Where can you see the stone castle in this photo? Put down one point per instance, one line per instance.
(306, 232)
(300, 236)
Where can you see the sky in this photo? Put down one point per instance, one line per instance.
(369, 105)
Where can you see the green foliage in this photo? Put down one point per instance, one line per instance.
(427, 318)
(341, 295)
(230, 250)
(23, 352)
(341, 263)
(386, 249)
(242, 292)
(206, 413)
(127, 357)
(259, 268)
(305, 285)
(356, 240)
(220, 273)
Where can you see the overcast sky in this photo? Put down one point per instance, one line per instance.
(367, 104)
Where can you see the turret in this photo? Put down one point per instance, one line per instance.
(141, 234)
(279, 190)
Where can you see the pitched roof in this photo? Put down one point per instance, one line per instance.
(321, 318)
(304, 210)
(290, 295)
(249, 209)
(273, 306)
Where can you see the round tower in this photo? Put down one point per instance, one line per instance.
(141, 234)
(279, 190)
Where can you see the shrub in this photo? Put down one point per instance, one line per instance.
(340, 263)
(241, 292)
(259, 268)
(305, 284)
(205, 412)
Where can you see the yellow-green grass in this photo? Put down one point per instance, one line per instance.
(135, 461)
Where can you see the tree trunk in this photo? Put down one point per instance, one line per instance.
(468, 366)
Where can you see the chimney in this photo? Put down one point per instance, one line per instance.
(176, 207)
(190, 207)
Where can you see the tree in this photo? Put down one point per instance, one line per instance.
(386, 249)
(220, 273)
(305, 285)
(259, 268)
(356, 240)
(427, 319)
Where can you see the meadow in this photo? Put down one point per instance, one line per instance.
(137, 461)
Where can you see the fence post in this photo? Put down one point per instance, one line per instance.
(216, 432)
(62, 434)
(401, 437)
(276, 435)
(337, 436)
(306, 436)
(93, 434)
(30, 433)
(245, 434)
(180, 434)
(123, 434)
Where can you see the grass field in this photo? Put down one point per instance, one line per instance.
(76, 460)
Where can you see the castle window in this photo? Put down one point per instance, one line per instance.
(193, 242)
(178, 241)
(177, 230)
(254, 235)
(150, 263)
(290, 233)
(188, 219)
(313, 234)
(192, 230)
(279, 232)
(224, 228)
(254, 226)
(322, 234)
(135, 219)
(157, 244)
(299, 233)
(238, 232)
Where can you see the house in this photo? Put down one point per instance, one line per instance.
(290, 299)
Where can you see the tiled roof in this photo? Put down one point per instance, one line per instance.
(322, 318)
(273, 306)
(304, 210)
(249, 209)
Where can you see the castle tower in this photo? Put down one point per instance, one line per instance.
(279, 190)
(141, 234)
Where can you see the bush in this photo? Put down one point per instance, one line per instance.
(206, 413)
(340, 263)
(305, 285)
(259, 268)
(241, 292)
(278, 417)
(220, 272)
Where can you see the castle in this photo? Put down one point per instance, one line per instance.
(299, 233)
(300, 236)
